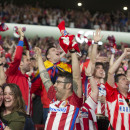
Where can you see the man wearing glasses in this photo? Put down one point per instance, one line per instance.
(65, 95)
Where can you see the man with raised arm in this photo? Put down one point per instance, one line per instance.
(16, 73)
(65, 95)
(118, 99)
(53, 66)
(86, 119)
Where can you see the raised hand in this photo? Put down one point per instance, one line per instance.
(21, 34)
(37, 52)
(97, 35)
(127, 51)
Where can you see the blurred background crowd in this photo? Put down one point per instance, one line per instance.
(36, 15)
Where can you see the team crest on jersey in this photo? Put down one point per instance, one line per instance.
(64, 104)
(83, 114)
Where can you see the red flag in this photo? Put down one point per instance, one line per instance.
(67, 40)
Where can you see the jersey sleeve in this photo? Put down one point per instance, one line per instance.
(111, 93)
(13, 67)
(89, 104)
(76, 101)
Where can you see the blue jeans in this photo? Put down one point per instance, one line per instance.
(45, 114)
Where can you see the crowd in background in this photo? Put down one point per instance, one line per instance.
(98, 65)
(104, 57)
(113, 21)
(104, 51)
(9, 43)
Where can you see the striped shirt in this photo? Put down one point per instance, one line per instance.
(62, 114)
(101, 107)
(118, 109)
(86, 119)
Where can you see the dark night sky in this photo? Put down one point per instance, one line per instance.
(91, 4)
(94, 5)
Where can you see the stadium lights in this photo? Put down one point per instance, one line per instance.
(125, 8)
(79, 4)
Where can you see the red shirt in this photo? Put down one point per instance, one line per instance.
(118, 109)
(44, 98)
(62, 114)
(36, 86)
(14, 75)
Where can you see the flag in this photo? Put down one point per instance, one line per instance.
(3, 27)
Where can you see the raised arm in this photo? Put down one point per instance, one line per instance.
(12, 48)
(18, 54)
(2, 73)
(115, 66)
(42, 70)
(96, 37)
(111, 60)
(94, 88)
(77, 85)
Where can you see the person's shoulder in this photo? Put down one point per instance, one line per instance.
(109, 86)
(20, 113)
(75, 100)
(20, 116)
(65, 66)
(129, 95)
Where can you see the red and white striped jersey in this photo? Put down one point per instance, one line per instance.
(101, 107)
(62, 114)
(86, 119)
(118, 109)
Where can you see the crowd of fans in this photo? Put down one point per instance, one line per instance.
(41, 84)
(29, 68)
(113, 21)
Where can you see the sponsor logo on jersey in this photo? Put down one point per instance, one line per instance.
(63, 110)
(84, 114)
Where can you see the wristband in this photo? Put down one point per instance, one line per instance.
(1, 64)
(73, 51)
(89, 77)
(95, 42)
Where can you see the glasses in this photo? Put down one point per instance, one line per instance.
(58, 81)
